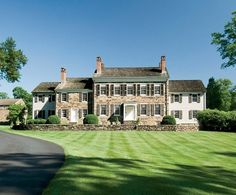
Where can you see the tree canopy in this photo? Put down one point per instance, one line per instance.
(11, 61)
(226, 42)
(3, 95)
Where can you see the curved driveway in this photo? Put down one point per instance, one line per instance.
(27, 164)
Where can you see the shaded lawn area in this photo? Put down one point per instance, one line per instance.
(136, 162)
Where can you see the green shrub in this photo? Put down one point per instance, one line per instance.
(168, 120)
(216, 120)
(16, 114)
(91, 119)
(53, 119)
(36, 121)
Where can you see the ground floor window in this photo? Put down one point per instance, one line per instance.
(143, 109)
(117, 110)
(40, 114)
(64, 113)
(103, 109)
(177, 113)
(157, 109)
(85, 112)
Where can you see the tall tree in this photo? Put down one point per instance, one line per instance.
(226, 42)
(233, 98)
(11, 61)
(3, 95)
(19, 92)
(219, 94)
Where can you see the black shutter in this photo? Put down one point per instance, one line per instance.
(172, 98)
(80, 113)
(107, 90)
(97, 90)
(107, 109)
(112, 109)
(190, 98)
(125, 89)
(180, 98)
(152, 109)
(122, 110)
(59, 113)
(190, 113)
(148, 89)
(134, 89)
(180, 114)
(36, 99)
(43, 98)
(198, 98)
(162, 89)
(112, 90)
(138, 89)
(148, 109)
(35, 114)
(138, 109)
(98, 110)
(80, 97)
(162, 109)
(152, 89)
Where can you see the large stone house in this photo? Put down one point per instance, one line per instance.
(131, 93)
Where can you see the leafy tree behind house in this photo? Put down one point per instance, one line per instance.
(20, 93)
(233, 99)
(11, 61)
(16, 113)
(3, 95)
(219, 95)
(226, 42)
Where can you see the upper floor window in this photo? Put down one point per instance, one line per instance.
(85, 97)
(103, 90)
(130, 90)
(117, 89)
(176, 98)
(52, 98)
(64, 97)
(157, 89)
(143, 109)
(143, 89)
(40, 98)
(194, 98)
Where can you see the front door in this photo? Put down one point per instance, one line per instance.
(74, 116)
(129, 113)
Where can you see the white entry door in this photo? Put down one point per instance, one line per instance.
(129, 113)
(74, 116)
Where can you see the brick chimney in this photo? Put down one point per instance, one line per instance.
(63, 75)
(163, 64)
(99, 65)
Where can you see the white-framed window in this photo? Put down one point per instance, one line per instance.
(117, 89)
(40, 98)
(117, 110)
(157, 89)
(194, 98)
(177, 114)
(64, 113)
(176, 98)
(103, 110)
(103, 90)
(64, 97)
(85, 112)
(143, 109)
(84, 97)
(143, 89)
(157, 109)
(195, 113)
(130, 89)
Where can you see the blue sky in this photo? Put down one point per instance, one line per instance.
(70, 34)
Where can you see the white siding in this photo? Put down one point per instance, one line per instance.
(185, 106)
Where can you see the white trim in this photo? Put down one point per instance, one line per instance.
(155, 109)
(117, 85)
(142, 85)
(83, 96)
(101, 110)
(103, 85)
(127, 90)
(141, 109)
(157, 85)
(135, 111)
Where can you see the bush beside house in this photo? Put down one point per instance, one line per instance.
(168, 120)
(91, 119)
(53, 119)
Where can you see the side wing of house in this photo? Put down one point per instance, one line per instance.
(186, 99)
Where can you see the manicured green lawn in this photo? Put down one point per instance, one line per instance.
(135, 162)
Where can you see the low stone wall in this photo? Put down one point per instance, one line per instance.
(47, 127)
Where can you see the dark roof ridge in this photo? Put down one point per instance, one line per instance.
(132, 67)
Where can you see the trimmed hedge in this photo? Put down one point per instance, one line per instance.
(53, 119)
(37, 121)
(216, 120)
(168, 120)
(91, 119)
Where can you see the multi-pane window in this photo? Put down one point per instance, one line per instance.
(85, 97)
(177, 113)
(143, 109)
(103, 109)
(157, 89)
(176, 98)
(195, 113)
(130, 89)
(157, 109)
(40, 98)
(143, 89)
(103, 90)
(194, 97)
(117, 89)
(64, 97)
(85, 112)
(64, 113)
(117, 110)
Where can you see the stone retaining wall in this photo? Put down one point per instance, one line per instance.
(47, 127)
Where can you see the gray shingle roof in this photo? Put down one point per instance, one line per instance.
(46, 87)
(8, 102)
(186, 86)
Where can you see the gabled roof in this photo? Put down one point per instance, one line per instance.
(46, 87)
(75, 85)
(8, 102)
(131, 74)
(186, 86)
